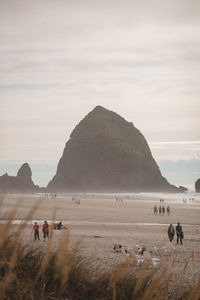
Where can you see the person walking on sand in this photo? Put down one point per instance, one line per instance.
(155, 210)
(168, 210)
(36, 231)
(179, 233)
(160, 210)
(163, 210)
(171, 232)
(45, 230)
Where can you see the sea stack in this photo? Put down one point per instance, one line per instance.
(22, 183)
(25, 174)
(197, 186)
(105, 153)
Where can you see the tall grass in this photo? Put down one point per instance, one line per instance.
(29, 274)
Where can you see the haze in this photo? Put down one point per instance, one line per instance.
(59, 59)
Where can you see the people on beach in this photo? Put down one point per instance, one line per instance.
(155, 210)
(77, 201)
(45, 230)
(163, 210)
(36, 231)
(179, 233)
(160, 210)
(171, 232)
(119, 200)
(168, 210)
(58, 226)
(53, 196)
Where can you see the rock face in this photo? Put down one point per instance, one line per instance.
(21, 183)
(24, 173)
(183, 189)
(105, 153)
(197, 186)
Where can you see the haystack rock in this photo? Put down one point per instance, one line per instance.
(105, 153)
(197, 186)
(21, 183)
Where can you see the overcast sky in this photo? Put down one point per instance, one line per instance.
(61, 58)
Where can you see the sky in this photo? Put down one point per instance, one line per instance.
(61, 58)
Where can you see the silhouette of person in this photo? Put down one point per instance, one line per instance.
(179, 233)
(160, 210)
(163, 210)
(168, 210)
(171, 232)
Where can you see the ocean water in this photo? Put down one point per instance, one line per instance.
(190, 199)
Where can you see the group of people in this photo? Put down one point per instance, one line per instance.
(45, 230)
(179, 233)
(190, 200)
(76, 201)
(119, 200)
(161, 210)
(52, 195)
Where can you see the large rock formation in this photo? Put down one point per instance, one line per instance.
(24, 173)
(106, 153)
(21, 183)
(197, 186)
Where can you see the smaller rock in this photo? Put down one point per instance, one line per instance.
(183, 189)
(197, 186)
(22, 183)
(24, 173)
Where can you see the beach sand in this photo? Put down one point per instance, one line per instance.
(100, 221)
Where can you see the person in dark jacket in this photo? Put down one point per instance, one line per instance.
(160, 210)
(155, 210)
(163, 210)
(179, 233)
(168, 210)
(171, 232)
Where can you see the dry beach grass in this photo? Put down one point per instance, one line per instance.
(79, 262)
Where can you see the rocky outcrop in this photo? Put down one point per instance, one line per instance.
(197, 186)
(106, 153)
(21, 183)
(183, 189)
(24, 174)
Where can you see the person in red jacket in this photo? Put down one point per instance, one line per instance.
(36, 231)
(45, 230)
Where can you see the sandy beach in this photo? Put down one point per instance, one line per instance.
(100, 221)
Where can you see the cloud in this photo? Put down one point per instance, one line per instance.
(59, 59)
(175, 151)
